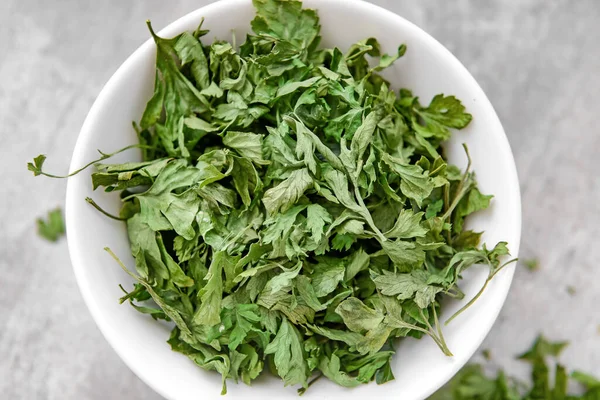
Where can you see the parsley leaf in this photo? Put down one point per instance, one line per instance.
(442, 113)
(288, 355)
(53, 228)
(281, 197)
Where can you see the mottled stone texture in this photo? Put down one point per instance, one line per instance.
(538, 61)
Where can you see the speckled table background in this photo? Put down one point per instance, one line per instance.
(537, 60)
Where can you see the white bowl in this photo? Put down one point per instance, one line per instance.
(427, 68)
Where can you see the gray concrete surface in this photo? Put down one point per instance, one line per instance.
(538, 61)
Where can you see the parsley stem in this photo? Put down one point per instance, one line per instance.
(446, 205)
(470, 303)
(104, 157)
(438, 169)
(436, 334)
(461, 189)
(97, 207)
(455, 293)
(129, 295)
(440, 334)
(301, 391)
(122, 265)
(474, 299)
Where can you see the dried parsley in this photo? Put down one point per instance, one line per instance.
(53, 228)
(532, 264)
(291, 209)
(549, 380)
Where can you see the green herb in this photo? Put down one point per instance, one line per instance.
(292, 211)
(571, 290)
(532, 264)
(53, 228)
(487, 354)
(549, 380)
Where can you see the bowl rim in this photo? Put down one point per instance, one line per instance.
(78, 258)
